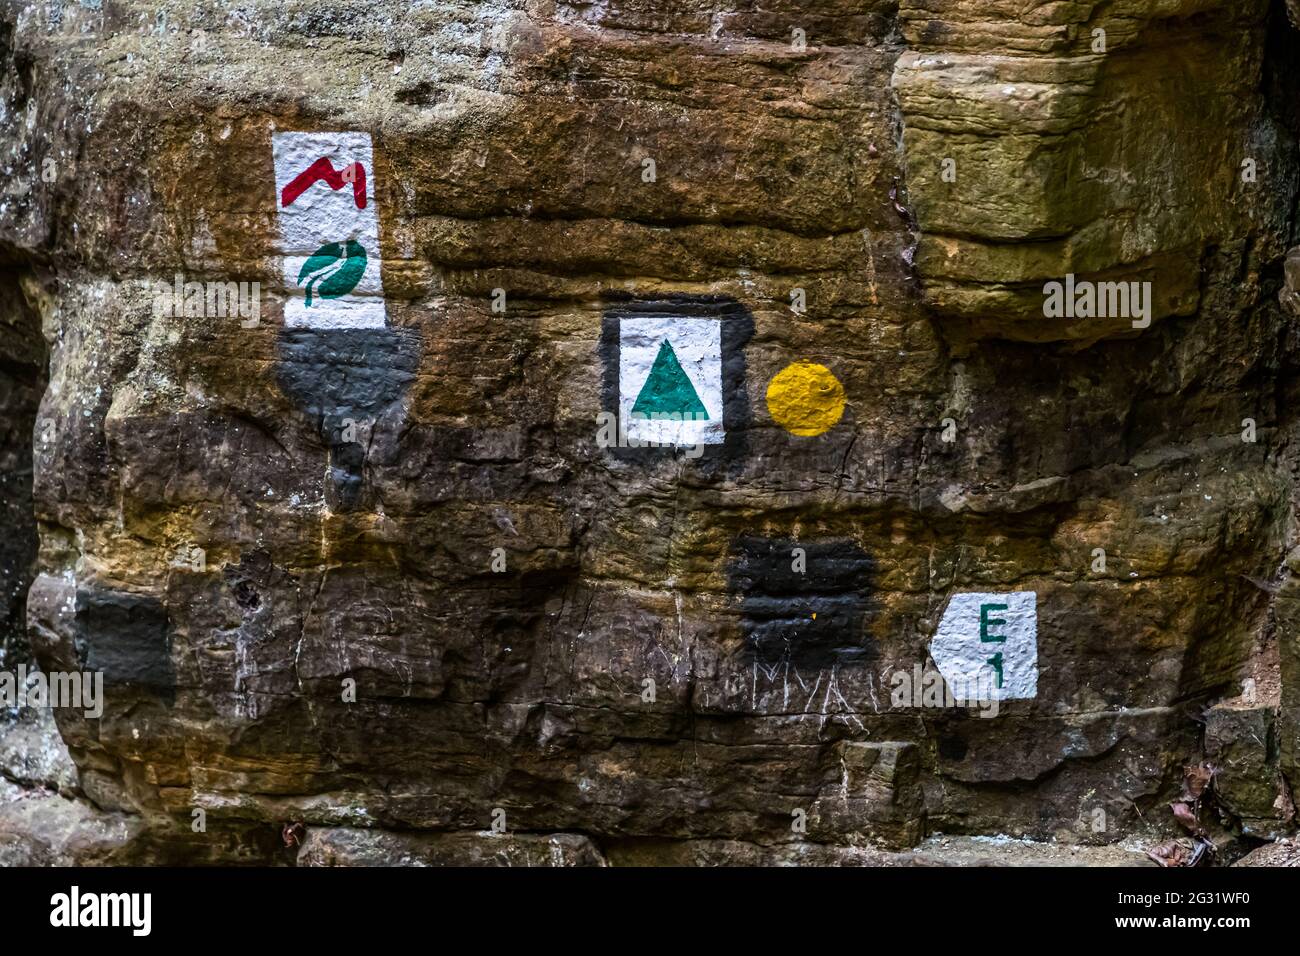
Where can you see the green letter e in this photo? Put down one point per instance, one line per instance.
(986, 622)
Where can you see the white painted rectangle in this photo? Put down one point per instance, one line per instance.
(697, 344)
(1009, 622)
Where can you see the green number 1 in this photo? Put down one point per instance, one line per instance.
(996, 663)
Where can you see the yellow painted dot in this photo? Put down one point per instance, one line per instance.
(805, 399)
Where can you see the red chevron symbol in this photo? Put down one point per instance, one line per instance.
(323, 171)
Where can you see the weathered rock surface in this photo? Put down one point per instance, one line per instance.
(343, 846)
(1281, 853)
(282, 546)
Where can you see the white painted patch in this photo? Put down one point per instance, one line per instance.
(977, 627)
(321, 215)
(697, 344)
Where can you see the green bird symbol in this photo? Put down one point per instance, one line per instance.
(333, 270)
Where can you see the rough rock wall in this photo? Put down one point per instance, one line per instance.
(378, 588)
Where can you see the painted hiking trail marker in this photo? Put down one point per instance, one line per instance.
(670, 380)
(990, 642)
(329, 230)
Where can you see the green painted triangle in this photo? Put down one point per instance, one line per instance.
(667, 390)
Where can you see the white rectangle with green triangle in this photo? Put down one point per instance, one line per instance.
(670, 380)
(329, 230)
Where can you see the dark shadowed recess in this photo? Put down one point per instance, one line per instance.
(23, 369)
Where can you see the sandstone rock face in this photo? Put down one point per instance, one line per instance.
(381, 591)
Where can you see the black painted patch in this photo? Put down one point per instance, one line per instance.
(126, 637)
(737, 330)
(778, 603)
(337, 375)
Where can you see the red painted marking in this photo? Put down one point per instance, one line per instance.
(323, 171)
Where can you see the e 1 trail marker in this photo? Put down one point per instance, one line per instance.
(990, 641)
(329, 230)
